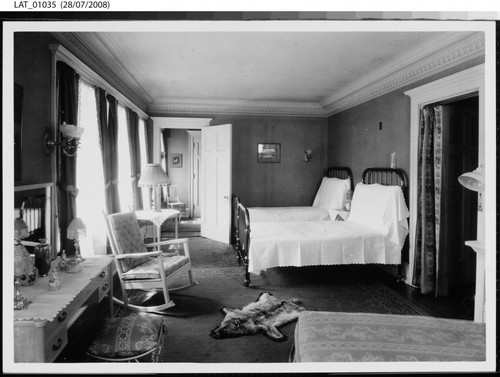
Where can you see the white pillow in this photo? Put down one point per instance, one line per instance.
(332, 193)
(382, 208)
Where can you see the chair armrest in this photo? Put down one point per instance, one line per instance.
(167, 242)
(176, 241)
(139, 255)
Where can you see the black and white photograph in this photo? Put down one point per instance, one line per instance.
(214, 192)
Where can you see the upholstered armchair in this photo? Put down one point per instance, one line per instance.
(140, 268)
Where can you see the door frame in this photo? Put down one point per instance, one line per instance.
(468, 81)
(178, 123)
(192, 135)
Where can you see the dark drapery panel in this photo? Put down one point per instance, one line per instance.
(108, 132)
(67, 105)
(149, 140)
(135, 157)
(430, 273)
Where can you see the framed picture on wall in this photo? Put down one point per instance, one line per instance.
(268, 152)
(18, 131)
(176, 160)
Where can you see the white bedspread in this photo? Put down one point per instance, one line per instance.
(374, 233)
(292, 243)
(304, 213)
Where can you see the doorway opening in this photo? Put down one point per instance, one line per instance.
(460, 154)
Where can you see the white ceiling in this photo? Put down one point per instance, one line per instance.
(302, 72)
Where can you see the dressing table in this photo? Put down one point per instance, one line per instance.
(41, 330)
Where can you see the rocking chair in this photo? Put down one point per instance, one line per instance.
(141, 269)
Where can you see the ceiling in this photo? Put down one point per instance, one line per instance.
(313, 72)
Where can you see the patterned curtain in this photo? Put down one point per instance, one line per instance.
(108, 132)
(430, 273)
(135, 157)
(67, 105)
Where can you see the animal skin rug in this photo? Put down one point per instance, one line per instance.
(262, 316)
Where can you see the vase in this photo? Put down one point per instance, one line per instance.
(43, 256)
(24, 270)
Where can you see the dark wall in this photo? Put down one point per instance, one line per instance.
(291, 182)
(356, 140)
(32, 70)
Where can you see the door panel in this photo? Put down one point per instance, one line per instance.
(216, 182)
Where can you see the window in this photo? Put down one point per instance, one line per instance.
(144, 159)
(89, 175)
(124, 171)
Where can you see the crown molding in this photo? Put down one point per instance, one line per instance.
(237, 107)
(437, 55)
(182, 123)
(447, 52)
(74, 44)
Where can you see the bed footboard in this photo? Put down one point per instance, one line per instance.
(389, 177)
(235, 239)
(244, 239)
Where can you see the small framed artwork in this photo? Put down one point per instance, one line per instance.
(176, 160)
(268, 152)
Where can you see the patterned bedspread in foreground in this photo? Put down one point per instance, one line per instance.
(363, 337)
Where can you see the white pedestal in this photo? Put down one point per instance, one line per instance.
(478, 247)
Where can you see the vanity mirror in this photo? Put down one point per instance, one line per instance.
(35, 204)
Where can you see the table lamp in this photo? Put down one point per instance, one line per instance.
(76, 230)
(473, 180)
(153, 176)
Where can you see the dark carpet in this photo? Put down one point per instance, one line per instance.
(197, 310)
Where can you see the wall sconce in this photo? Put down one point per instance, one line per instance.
(474, 181)
(307, 155)
(70, 139)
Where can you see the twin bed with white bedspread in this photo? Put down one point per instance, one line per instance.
(374, 232)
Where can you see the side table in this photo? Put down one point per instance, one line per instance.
(158, 217)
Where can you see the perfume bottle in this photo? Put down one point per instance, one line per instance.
(54, 281)
(63, 263)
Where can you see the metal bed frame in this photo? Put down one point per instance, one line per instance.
(241, 219)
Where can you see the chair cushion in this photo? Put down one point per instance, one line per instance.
(149, 270)
(125, 228)
(129, 336)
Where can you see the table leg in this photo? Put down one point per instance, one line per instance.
(111, 293)
(158, 235)
(177, 226)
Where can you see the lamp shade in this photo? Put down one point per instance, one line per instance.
(153, 175)
(70, 131)
(473, 180)
(76, 229)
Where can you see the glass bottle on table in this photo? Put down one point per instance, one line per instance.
(43, 257)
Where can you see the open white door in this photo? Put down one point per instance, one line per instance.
(216, 182)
